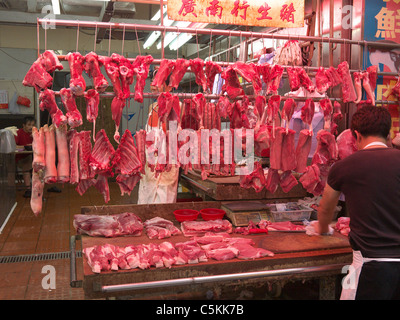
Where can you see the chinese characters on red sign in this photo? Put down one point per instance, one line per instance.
(280, 13)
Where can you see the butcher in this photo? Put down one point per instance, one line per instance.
(164, 187)
(24, 161)
(370, 181)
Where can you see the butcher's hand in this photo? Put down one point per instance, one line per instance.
(314, 229)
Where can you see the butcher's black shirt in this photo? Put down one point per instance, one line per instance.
(370, 181)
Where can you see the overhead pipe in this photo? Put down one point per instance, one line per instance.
(219, 278)
(245, 34)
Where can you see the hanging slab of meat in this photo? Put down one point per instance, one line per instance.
(63, 165)
(264, 71)
(74, 157)
(275, 79)
(373, 76)
(238, 116)
(37, 77)
(346, 144)
(102, 154)
(73, 115)
(333, 76)
(255, 179)
(92, 98)
(126, 74)
(287, 111)
(212, 69)
(249, 73)
(126, 159)
(224, 105)
(197, 66)
(327, 108)
(112, 70)
(76, 65)
(168, 107)
(262, 140)
(50, 171)
(128, 182)
(84, 185)
(348, 91)
(322, 82)
(305, 80)
(327, 150)
(307, 112)
(199, 228)
(37, 194)
(276, 148)
(294, 80)
(92, 68)
(357, 85)
(142, 71)
(190, 117)
(271, 113)
(303, 150)
(140, 137)
(116, 225)
(259, 107)
(272, 180)
(39, 149)
(288, 181)
(117, 105)
(288, 156)
(200, 103)
(50, 61)
(166, 67)
(85, 150)
(232, 84)
(48, 102)
(336, 117)
(368, 88)
(102, 186)
(311, 178)
(179, 71)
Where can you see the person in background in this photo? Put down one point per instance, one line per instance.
(24, 140)
(164, 187)
(370, 181)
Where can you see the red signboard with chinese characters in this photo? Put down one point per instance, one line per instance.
(264, 13)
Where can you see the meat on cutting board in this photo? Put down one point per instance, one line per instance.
(39, 149)
(74, 117)
(199, 228)
(50, 171)
(63, 164)
(48, 102)
(160, 228)
(76, 66)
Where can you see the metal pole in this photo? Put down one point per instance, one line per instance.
(246, 34)
(223, 277)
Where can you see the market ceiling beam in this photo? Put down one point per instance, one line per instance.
(105, 16)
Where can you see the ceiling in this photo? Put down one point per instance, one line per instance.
(26, 12)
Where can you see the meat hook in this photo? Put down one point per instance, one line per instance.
(77, 38)
(137, 40)
(95, 38)
(123, 40)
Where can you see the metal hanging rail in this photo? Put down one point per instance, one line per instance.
(245, 34)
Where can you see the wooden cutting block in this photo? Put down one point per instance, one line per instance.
(286, 242)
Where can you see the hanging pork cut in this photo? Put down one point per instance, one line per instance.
(50, 170)
(92, 98)
(76, 66)
(348, 91)
(74, 117)
(37, 194)
(212, 69)
(112, 70)
(346, 144)
(165, 69)
(140, 137)
(287, 111)
(249, 72)
(287, 181)
(336, 117)
(117, 105)
(275, 77)
(368, 88)
(333, 76)
(305, 80)
(197, 66)
(254, 179)
(322, 82)
(358, 86)
(181, 66)
(39, 149)
(272, 181)
(50, 62)
(102, 154)
(48, 102)
(92, 68)
(232, 84)
(294, 80)
(141, 67)
(327, 108)
(126, 74)
(37, 77)
(63, 164)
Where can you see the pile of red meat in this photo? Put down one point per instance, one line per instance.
(166, 254)
(343, 225)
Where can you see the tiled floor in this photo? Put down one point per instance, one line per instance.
(49, 232)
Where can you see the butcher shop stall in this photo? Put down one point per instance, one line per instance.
(180, 148)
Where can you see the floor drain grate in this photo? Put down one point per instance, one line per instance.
(38, 257)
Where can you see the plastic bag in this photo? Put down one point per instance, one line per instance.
(13, 107)
(312, 226)
(7, 141)
(24, 101)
